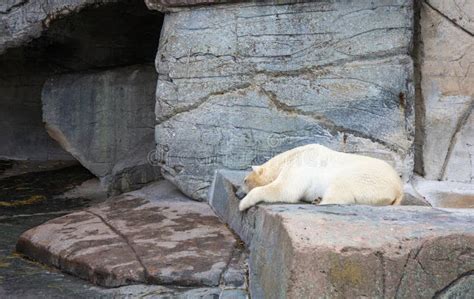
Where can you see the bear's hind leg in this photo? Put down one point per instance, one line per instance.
(336, 194)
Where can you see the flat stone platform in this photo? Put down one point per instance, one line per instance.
(154, 236)
(309, 251)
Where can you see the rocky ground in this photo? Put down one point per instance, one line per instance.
(29, 200)
(155, 242)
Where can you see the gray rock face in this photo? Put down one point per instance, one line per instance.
(153, 236)
(309, 251)
(105, 120)
(344, 251)
(448, 90)
(240, 83)
(164, 5)
(176, 5)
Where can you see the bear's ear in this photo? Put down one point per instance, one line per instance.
(257, 169)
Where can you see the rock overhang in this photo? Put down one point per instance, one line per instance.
(175, 5)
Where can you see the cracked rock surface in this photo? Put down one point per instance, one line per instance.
(154, 236)
(247, 81)
(174, 5)
(344, 251)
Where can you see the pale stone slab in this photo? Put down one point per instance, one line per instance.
(153, 236)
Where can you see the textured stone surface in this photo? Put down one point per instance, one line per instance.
(245, 82)
(309, 251)
(155, 235)
(444, 194)
(225, 203)
(174, 5)
(448, 90)
(350, 251)
(460, 12)
(105, 120)
(23, 20)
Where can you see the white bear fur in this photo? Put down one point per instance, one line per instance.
(314, 171)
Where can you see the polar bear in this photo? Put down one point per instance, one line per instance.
(314, 171)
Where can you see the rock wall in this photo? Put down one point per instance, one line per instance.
(47, 39)
(239, 83)
(105, 120)
(447, 86)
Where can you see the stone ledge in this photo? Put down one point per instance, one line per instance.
(308, 251)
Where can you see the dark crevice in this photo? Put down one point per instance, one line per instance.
(126, 240)
(403, 272)
(381, 258)
(420, 110)
(440, 293)
(327, 123)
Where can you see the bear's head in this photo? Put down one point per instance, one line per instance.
(256, 178)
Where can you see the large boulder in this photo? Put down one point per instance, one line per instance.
(106, 121)
(350, 251)
(240, 83)
(337, 251)
(447, 85)
(152, 236)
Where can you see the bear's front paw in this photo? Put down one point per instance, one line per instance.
(245, 204)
